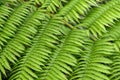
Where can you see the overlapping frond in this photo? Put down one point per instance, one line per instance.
(62, 59)
(16, 19)
(115, 73)
(39, 52)
(21, 38)
(114, 33)
(101, 16)
(59, 39)
(10, 49)
(93, 62)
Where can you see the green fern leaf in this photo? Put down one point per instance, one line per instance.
(75, 7)
(39, 52)
(94, 62)
(63, 58)
(100, 17)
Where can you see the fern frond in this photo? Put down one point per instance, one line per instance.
(114, 33)
(50, 5)
(16, 19)
(101, 16)
(24, 68)
(4, 13)
(6, 1)
(93, 62)
(22, 37)
(115, 73)
(39, 52)
(76, 7)
(62, 58)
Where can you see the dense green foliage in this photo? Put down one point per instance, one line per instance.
(59, 39)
